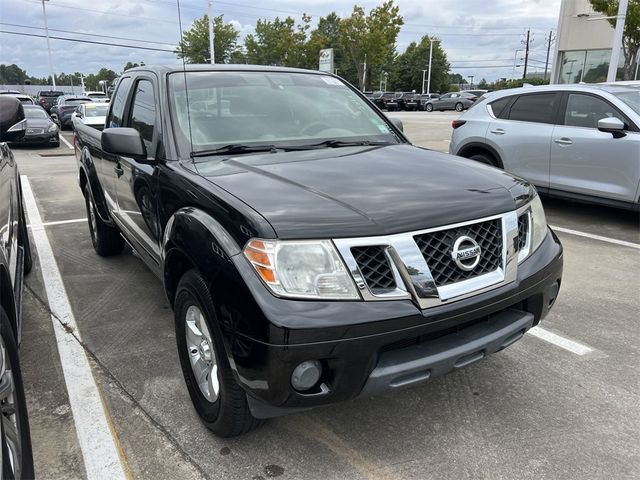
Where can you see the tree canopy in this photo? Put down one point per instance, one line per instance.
(194, 46)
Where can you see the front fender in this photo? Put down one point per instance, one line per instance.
(89, 170)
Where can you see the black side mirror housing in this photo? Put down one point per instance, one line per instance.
(612, 125)
(398, 123)
(12, 122)
(123, 141)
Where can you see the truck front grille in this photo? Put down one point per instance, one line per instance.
(523, 230)
(375, 267)
(436, 247)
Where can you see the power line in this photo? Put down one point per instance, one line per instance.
(82, 33)
(88, 41)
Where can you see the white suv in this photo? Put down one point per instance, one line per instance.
(573, 141)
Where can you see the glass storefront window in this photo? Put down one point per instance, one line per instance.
(589, 66)
(572, 65)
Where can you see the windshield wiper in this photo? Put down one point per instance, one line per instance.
(235, 148)
(336, 144)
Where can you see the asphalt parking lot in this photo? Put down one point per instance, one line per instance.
(561, 403)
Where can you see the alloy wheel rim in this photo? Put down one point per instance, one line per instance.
(202, 355)
(92, 218)
(10, 428)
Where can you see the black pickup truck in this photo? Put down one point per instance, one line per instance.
(310, 253)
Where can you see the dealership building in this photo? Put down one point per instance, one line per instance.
(583, 45)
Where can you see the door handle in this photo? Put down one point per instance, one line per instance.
(119, 171)
(498, 131)
(563, 141)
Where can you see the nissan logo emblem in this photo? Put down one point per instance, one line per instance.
(466, 253)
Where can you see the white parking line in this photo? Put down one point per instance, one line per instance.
(596, 237)
(61, 222)
(100, 448)
(557, 340)
(64, 140)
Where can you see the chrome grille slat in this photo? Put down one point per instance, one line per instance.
(523, 231)
(375, 267)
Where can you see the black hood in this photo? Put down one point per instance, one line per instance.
(361, 191)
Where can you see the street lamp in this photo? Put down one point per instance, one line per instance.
(212, 52)
(46, 29)
(515, 58)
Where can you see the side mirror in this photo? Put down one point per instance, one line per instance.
(612, 125)
(12, 122)
(123, 141)
(398, 123)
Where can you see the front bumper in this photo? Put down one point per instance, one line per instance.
(370, 347)
(39, 138)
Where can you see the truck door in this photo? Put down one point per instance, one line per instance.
(136, 182)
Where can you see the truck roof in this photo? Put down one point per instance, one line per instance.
(165, 69)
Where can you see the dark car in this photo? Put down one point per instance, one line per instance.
(310, 253)
(381, 99)
(64, 107)
(16, 460)
(396, 102)
(47, 98)
(41, 129)
(411, 101)
(450, 101)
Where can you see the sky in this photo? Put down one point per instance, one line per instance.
(480, 36)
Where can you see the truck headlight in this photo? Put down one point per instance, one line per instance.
(301, 268)
(537, 229)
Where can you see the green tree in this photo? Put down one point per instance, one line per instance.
(12, 75)
(194, 46)
(370, 39)
(631, 35)
(325, 35)
(278, 42)
(131, 65)
(406, 74)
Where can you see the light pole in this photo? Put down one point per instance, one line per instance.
(212, 52)
(424, 72)
(430, 58)
(46, 29)
(515, 58)
(617, 41)
(471, 77)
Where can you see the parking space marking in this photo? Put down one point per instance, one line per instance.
(61, 222)
(99, 445)
(559, 341)
(64, 140)
(596, 237)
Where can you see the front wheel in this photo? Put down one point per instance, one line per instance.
(459, 107)
(15, 439)
(429, 107)
(106, 240)
(215, 394)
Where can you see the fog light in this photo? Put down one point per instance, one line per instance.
(553, 294)
(306, 375)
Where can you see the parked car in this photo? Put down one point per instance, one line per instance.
(411, 101)
(10, 92)
(424, 98)
(382, 98)
(47, 98)
(24, 99)
(92, 114)
(396, 102)
(65, 106)
(310, 253)
(41, 129)
(97, 96)
(475, 93)
(16, 459)
(450, 101)
(574, 141)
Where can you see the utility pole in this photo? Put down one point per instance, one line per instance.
(424, 73)
(212, 52)
(617, 41)
(526, 55)
(430, 58)
(46, 29)
(471, 77)
(546, 64)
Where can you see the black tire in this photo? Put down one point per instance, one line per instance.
(13, 404)
(484, 158)
(429, 107)
(459, 107)
(106, 240)
(229, 414)
(55, 145)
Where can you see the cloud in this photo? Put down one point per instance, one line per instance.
(474, 34)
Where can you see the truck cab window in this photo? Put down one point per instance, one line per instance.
(118, 103)
(143, 113)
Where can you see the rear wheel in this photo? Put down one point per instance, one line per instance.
(15, 439)
(106, 240)
(459, 107)
(216, 396)
(429, 107)
(484, 158)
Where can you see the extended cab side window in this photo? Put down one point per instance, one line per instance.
(585, 111)
(537, 107)
(143, 113)
(118, 103)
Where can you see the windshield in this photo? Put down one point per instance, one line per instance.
(76, 101)
(35, 113)
(99, 110)
(276, 108)
(631, 98)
